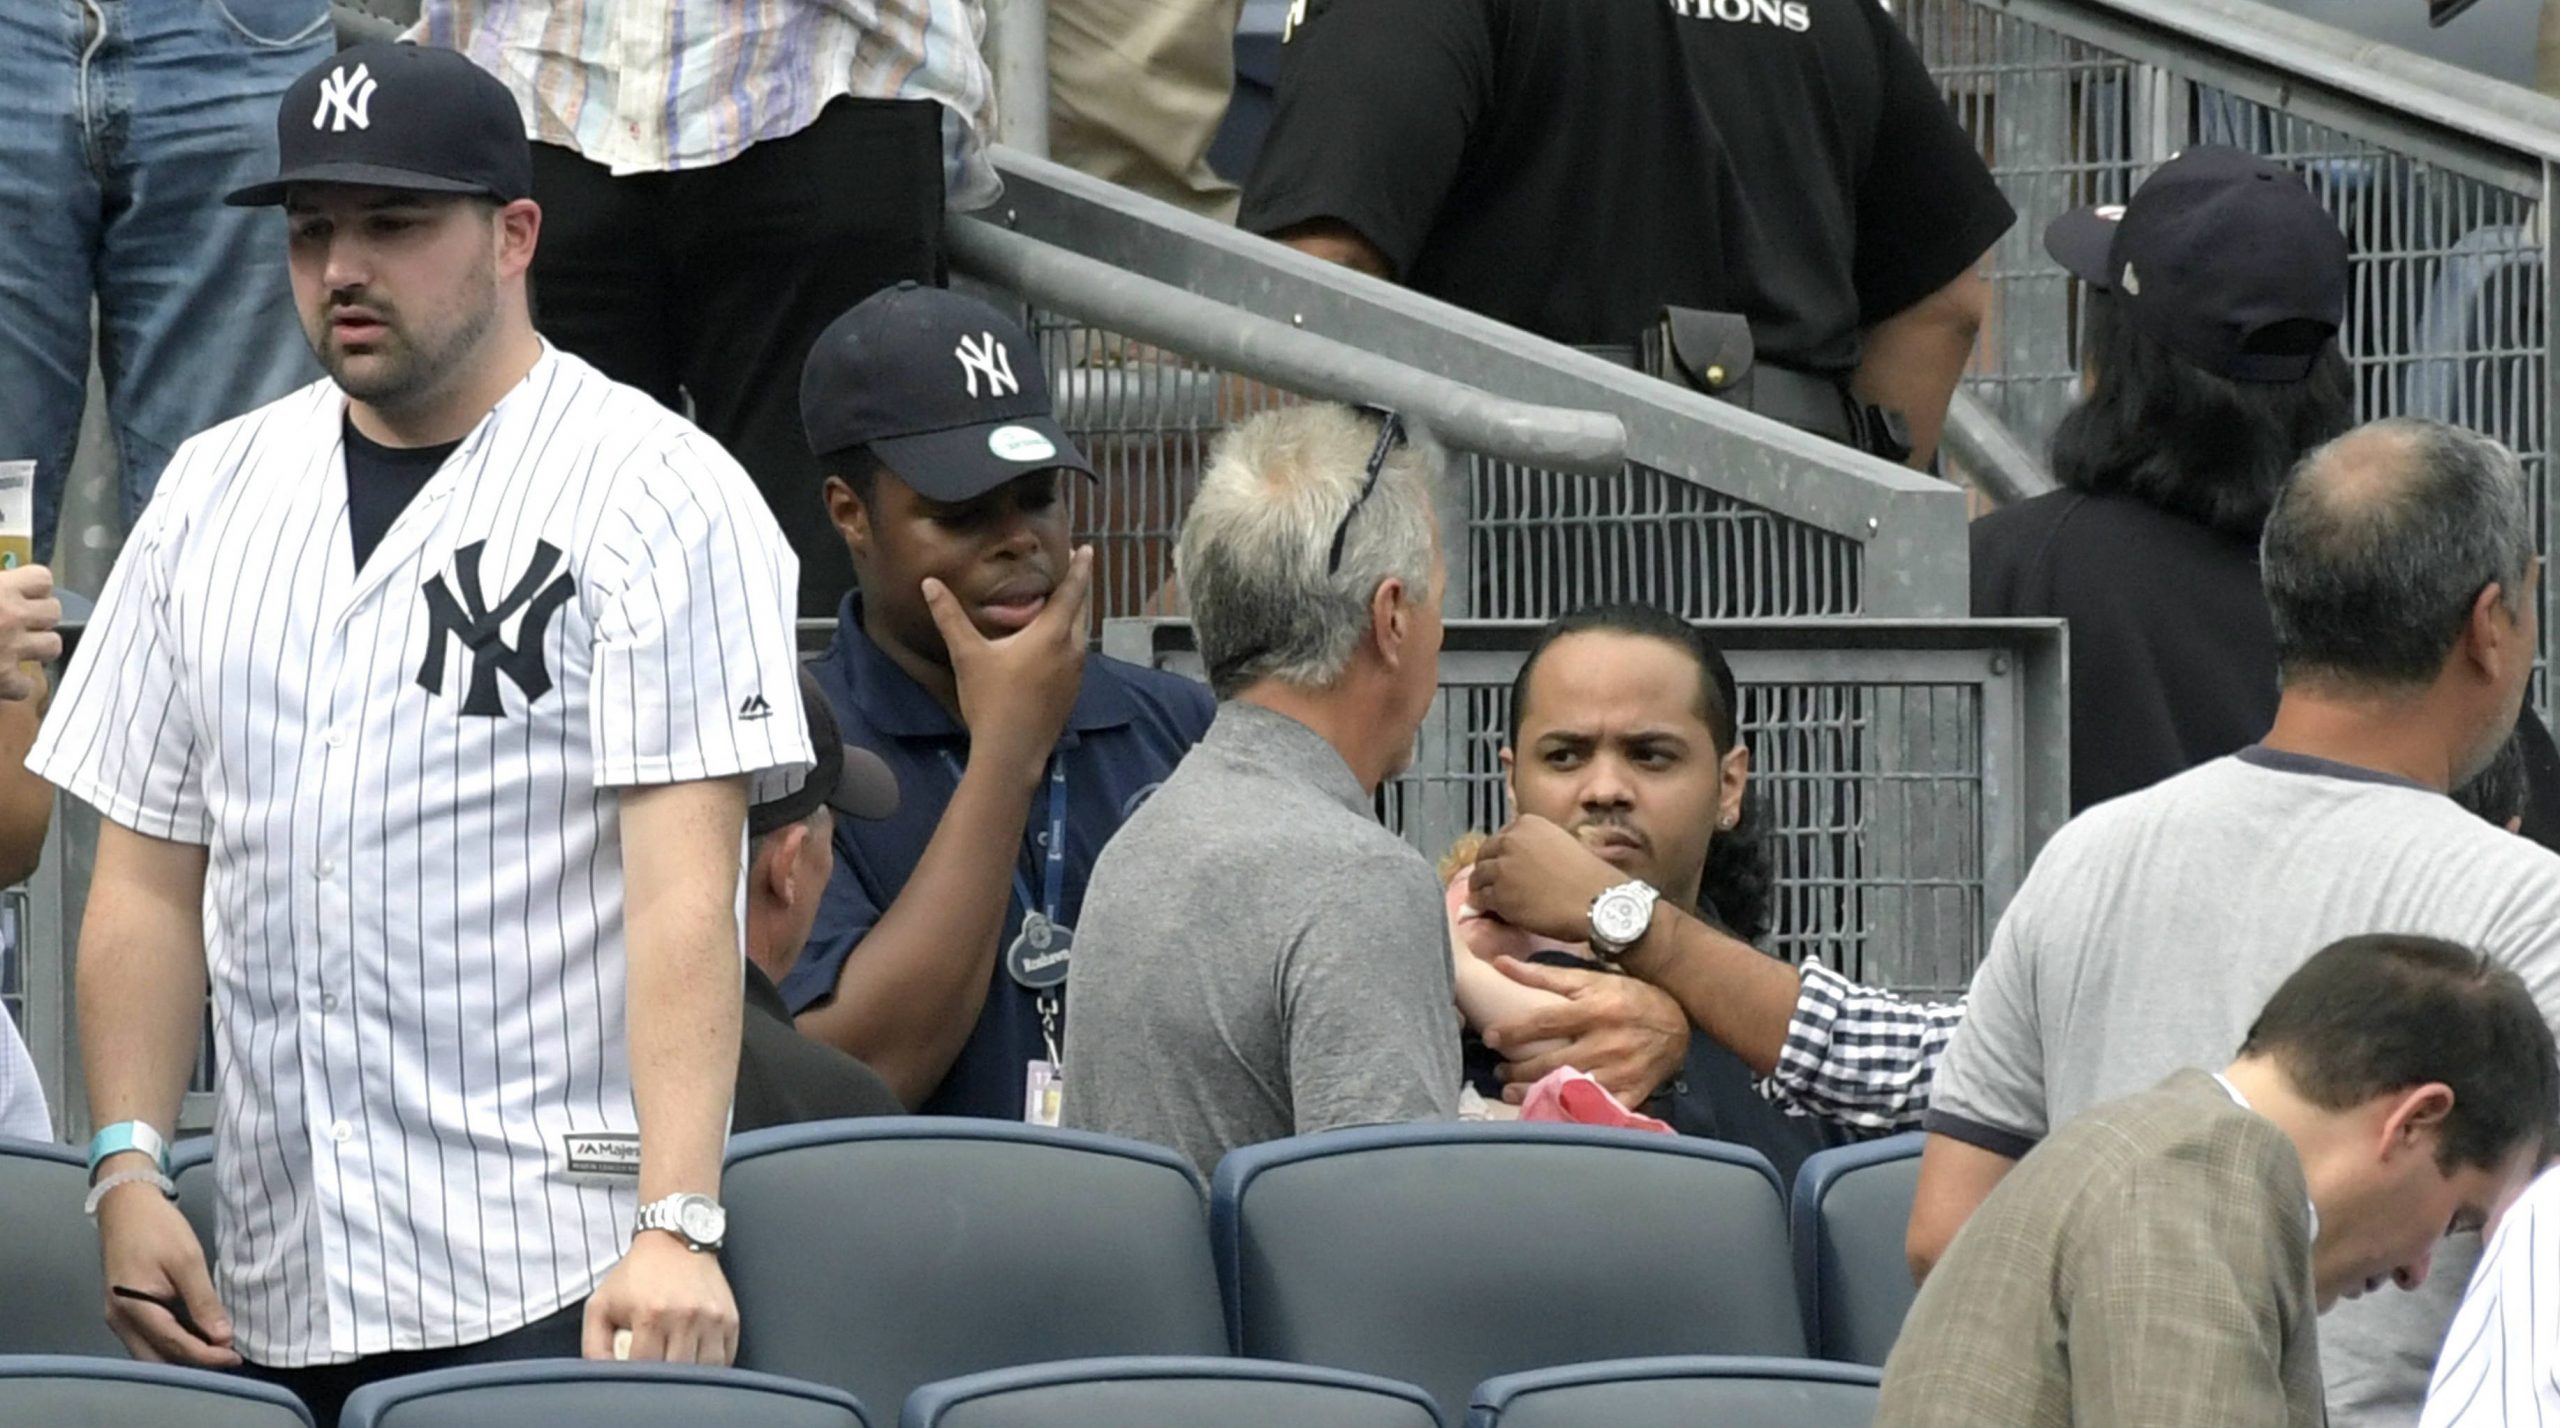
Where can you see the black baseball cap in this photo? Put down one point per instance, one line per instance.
(391, 115)
(854, 782)
(944, 389)
(2222, 257)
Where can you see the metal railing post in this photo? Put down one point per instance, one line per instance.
(1018, 56)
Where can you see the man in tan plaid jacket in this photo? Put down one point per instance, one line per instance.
(2160, 1260)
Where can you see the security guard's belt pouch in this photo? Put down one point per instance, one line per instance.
(1713, 353)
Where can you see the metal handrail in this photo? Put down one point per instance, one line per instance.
(1989, 451)
(1907, 527)
(2382, 75)
(1554, 438)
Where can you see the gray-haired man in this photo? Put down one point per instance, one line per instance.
(2400, 572)
(1258, 957)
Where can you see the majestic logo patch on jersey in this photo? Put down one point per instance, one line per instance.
(347, 96)
(477, 625)
(987, 357)
(754, 707)
(604, 1153)
(1795, 15)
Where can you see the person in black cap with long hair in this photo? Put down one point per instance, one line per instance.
(2210, 359)
(2211, 365)
(420, 708)
(940, 955)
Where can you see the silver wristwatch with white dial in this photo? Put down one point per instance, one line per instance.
(697, 1220)
(1619, 917)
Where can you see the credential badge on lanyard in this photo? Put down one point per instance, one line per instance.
(1037, 957)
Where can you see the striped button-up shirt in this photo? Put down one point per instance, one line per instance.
(406, 777)
(656, 86)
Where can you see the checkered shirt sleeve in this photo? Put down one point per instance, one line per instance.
(1860, 1056)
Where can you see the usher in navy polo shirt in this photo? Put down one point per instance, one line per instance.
(1128, 729)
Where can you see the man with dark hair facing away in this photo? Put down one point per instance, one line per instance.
(2402, 581)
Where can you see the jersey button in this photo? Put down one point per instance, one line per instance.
(328, 1001)
(337, 738)
(342, 1132)
(326, 870)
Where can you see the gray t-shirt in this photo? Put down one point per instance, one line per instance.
(2153, 928)
(1257, 957)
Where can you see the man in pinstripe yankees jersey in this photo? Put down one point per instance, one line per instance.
(420, 709)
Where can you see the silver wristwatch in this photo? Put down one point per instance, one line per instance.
(697, 1220)
(1619, 917)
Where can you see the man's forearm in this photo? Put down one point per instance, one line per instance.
(683, 981)
(141, 977)
(911, 992)
(1913, 359)
(1735, 993)
(26, 801)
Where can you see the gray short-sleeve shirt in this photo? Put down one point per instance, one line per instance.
(2154, 927)
(1258, 957)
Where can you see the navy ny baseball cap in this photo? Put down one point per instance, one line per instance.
(2222, 257)
(391, 115)
(854, 782)
(944, 389)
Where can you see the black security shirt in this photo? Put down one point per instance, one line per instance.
(381, 482)
(1571, 166)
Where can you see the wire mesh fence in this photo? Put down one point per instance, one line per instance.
(1869, 797)
(1900, 776)
(1537, 543)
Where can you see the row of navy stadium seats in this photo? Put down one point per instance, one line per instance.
(70, 1391)
(880, 1255)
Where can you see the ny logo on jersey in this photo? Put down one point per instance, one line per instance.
(349, 97)
(476, 624)
(988, 357)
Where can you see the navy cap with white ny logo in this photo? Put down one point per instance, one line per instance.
(390, 115)
(943, 389)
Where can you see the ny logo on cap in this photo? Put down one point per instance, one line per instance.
(349, 97)
(987, 356)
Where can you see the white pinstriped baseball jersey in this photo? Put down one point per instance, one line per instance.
(405, 779)
(2500, 1365)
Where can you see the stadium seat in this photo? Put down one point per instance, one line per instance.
(1445, 1254)
(881, 1254)
(1851, 1208)
(1169, 1393)
(52, 1293)
(1682, 1393)
(191, 1165)
(78, 1391)
(574, 1393)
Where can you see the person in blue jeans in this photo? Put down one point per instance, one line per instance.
(122, 124)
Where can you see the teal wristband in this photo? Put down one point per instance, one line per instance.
(129, 1135)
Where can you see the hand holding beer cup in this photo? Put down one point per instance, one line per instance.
(28, 611)
(28, 614)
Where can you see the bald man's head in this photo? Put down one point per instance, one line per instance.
(2380, 546)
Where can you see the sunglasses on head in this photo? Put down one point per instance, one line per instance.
(1390, 436)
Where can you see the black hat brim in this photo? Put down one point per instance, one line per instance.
(2084, 242)
(865, 788)
(964, 463)
(272, 191)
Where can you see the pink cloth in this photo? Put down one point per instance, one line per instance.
(1490, 937)
(1575, 1098)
